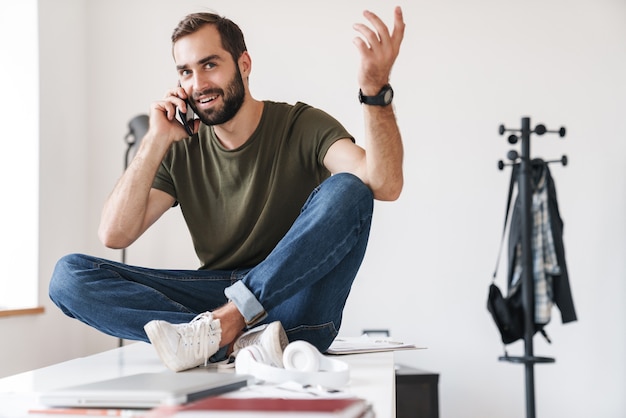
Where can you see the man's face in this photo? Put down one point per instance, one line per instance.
(209, 75)
(232, 99)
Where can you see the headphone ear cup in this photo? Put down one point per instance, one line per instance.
(247, 358)
(302, 356)
(304, 364)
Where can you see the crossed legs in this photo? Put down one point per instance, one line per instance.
(304, 282)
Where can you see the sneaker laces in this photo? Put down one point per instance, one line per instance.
(197, 335)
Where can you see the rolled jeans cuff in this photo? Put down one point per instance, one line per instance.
(248, 305)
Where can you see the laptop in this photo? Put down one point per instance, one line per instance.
(145, 390)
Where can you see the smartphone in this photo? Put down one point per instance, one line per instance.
(186, 119)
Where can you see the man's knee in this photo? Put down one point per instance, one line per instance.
(349, 182)
(62, 282)
(350, 190)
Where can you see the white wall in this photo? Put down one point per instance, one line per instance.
(35, 341)
(465, 67)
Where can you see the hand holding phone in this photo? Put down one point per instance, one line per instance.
(187, 119)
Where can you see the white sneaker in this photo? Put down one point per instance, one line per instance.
(188, 345)
(271, 337)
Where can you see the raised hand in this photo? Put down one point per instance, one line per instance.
(378, 49)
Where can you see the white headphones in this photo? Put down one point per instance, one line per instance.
(304, 364)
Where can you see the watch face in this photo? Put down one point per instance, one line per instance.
(388, 95)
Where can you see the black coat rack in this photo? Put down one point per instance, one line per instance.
(525, 194)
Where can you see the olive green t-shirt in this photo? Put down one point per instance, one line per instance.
(239, 203)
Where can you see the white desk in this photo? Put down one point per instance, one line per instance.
(372, 377)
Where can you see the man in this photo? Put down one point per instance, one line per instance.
(278, 199)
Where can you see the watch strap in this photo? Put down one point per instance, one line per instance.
(383, 98)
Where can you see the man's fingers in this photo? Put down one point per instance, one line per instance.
(173, 97)
(398, 28)
(380, 35)
(382, 32)
(368, 34)
(161, 107)
(177, 91)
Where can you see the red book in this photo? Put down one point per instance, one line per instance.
(267, 407)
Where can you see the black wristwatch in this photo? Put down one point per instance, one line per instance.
(383, 98)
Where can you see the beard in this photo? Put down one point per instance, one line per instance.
(233, 99)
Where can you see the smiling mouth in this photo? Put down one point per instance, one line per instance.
(206, 100)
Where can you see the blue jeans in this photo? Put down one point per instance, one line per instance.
(304, 282)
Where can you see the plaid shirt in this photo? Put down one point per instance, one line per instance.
(545, 262)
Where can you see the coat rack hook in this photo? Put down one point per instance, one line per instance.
(563, 160)
(541, 129)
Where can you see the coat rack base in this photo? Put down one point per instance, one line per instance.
(526, 359)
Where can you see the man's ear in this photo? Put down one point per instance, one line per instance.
(245, 64)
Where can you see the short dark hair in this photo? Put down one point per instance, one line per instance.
(230, 33)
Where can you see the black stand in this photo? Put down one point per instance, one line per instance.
(526, 193)
(137, 128)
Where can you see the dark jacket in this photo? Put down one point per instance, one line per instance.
(562, 295)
